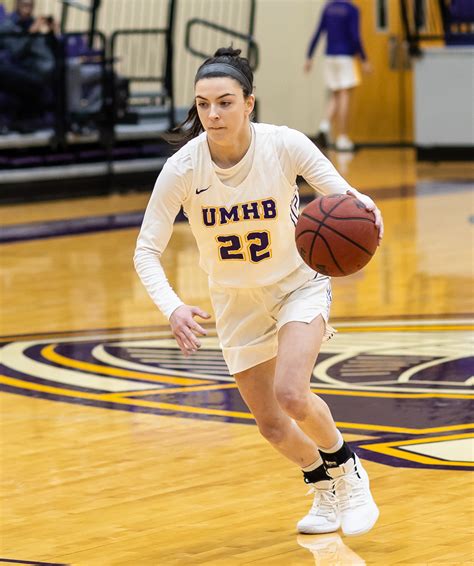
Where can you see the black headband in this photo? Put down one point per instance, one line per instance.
(224, 69)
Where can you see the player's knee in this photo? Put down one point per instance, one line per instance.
(295, 403)
(272, 430)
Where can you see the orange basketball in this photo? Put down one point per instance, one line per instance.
(336, 235)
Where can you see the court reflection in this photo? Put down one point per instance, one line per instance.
(330, 550)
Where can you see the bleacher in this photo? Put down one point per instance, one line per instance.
(135, 69)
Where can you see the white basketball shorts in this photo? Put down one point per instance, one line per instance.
(341, 72)
(248, 320)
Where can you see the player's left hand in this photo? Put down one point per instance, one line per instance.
(371, 206)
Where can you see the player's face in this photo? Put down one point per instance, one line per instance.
(223, 109)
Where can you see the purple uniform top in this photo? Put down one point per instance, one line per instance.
(340, 21)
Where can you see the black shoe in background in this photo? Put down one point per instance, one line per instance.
(321, 140)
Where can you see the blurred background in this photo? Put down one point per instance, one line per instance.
(88, 88)
(106, 78)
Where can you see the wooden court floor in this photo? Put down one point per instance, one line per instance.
(117, 451)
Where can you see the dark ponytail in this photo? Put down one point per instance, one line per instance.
(233, 66)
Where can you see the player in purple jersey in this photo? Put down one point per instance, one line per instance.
(340, 21)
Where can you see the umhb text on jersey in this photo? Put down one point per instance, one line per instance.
(254, 210)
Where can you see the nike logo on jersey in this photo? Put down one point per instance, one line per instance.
(199, 191)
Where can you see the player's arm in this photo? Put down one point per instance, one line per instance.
(354, 27)
(314, 42)
(165, 202)
(303, 158)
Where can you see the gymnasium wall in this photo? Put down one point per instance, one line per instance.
(382, 105)
(288, 96)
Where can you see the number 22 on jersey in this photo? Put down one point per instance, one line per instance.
(254, 246)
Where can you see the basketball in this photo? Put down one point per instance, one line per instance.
(336, 235)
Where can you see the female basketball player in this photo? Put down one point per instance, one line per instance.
(236, 182)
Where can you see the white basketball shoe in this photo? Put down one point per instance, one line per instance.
(343, 143)
(323, 516)
(357, 509)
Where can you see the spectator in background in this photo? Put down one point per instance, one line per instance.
(31, 53)
(84, 75)
(3, 13)
(340, 21)
(27, 64)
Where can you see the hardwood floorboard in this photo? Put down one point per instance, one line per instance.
(126, 467)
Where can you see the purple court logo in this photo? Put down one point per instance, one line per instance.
(405, 388)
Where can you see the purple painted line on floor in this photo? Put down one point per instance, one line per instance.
(121, 221)
(73, 226)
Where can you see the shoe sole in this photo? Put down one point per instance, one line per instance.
(362, 532)
(318, 532)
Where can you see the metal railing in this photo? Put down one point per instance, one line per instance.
(112, 53)
(252, 47)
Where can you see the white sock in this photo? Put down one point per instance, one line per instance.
(336, 447)
(324, 126)
(314, 465)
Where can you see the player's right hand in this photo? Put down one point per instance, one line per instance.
(369, 205)
(185, 329)
(367, 67)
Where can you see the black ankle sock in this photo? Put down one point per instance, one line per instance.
(334, 459)
(319, 474)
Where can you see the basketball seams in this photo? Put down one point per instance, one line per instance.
(360, 218)
(321, 224)
(331, 254)
(338, 235)
(303, 233)
(316, 233)
(338, 203)
(342, 200)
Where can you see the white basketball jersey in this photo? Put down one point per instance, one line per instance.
(245, 234)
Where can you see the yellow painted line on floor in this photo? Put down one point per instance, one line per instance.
(26, 385)
(127, 394)
(175, 390)
(117, 398)
(314, 390)
(402, 328)
(389, 395)
(392, 449)
(117, 332)
(404, 430)
(49, 353)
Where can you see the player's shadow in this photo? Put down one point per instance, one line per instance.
(330, 550)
